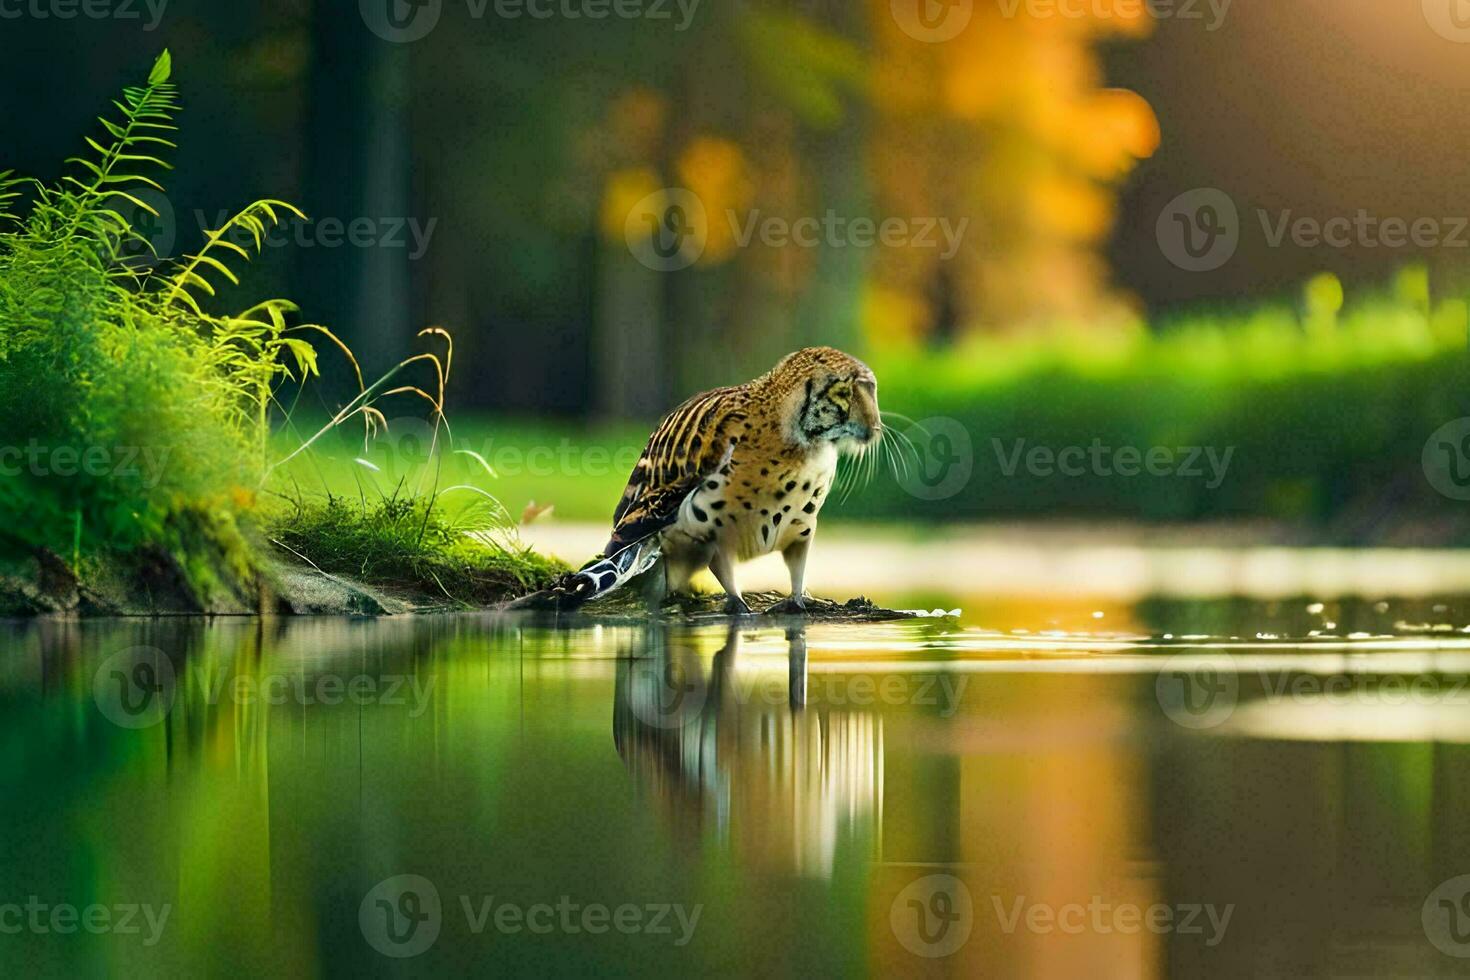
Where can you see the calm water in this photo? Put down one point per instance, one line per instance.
(1186, 789)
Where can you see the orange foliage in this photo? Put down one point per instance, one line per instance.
(1005, 128)
(715, 170)
(1006, 123)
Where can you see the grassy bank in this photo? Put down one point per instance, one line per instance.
(138, 406)
(1314, 415)
(1311, 413)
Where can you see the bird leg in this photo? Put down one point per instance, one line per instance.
(795, 556)
(724, 571)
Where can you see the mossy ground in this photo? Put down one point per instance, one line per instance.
(406, 544)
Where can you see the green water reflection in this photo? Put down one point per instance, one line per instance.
(319, 796)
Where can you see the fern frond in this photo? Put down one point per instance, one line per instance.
(249, 220)
(9, 184)
(151, 107)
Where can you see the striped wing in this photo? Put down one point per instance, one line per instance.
(693, 442)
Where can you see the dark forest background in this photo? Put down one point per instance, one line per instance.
(515, 137)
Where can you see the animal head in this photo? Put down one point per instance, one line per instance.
(827, 397)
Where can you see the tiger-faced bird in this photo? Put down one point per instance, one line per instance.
(736, 473)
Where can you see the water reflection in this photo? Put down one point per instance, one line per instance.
(735, 757)
(856, 799)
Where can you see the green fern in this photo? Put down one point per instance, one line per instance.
(99, 353)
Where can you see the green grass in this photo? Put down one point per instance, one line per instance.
(138, 417)
(580, 470)
(406, 542)
(1325, 409)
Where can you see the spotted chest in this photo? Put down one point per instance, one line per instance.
(756, 504)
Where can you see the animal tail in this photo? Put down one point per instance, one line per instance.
(596, 578)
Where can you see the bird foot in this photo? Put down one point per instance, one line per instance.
(789, 606)
(736, 606)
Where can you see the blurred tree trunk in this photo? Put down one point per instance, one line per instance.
(358, 166)
(635, 351)
(828, 310)
(630, 353)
